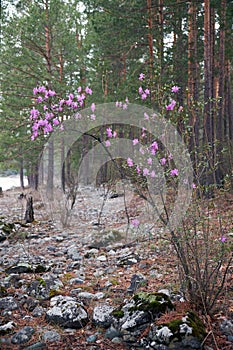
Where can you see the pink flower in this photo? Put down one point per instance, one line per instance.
(35, 91)
(78, 116)
(88, 91)
(114, 134)
(42, 89)
(93, 107)
(140, 90)
(34, 113)
(154, 147)
(135, 222)
(117, 104)
(171, 106)
(147, 92)
(39, 99)
(107, 143)
(175, 88)
(129, 162)
(223, 239)
(127, 100)
(194, 185)
(93, 117)
(170, 156)
(174, 172)
(56, 122)
(163, 161)
(146, 116)
(79, 89)
(109, 132)
(124, 106)
(149, 161)
(135, 142)
(51, 93)
(144, 96)
(141, 76)
(180, 109)
(146, 172)
(138, 169)
(141, 150)
(152, 174)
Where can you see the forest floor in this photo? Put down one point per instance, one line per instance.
(157, 260)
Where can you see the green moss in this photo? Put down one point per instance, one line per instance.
(42, 282)
(54, 292)
(155, 303)
(118, 313)
(40, 269)
(174, 325)
(3, 291)
(197, 325)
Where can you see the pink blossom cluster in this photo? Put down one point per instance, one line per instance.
(172, 104)
(44, 121)
(123, 105)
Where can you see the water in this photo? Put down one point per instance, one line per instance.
(8, 182)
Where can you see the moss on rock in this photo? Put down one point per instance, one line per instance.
(154, 303)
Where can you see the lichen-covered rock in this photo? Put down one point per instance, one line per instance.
(23, 336)
(8, 304)
(102, 315)
(44, 287)
(67, 312)
(51, 336)
(153, 303)
(137, 281)
(7, 327)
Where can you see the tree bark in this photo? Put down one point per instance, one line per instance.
(29, 214)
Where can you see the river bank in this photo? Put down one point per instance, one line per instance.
(8, 182)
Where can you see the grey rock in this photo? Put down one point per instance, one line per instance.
(129, 259)
(7, 327)
(23, 336)
(91, 338)
(40, 288)
(86, 295)
(37, 346)
(51, 336)
(137, 281)
(67, 312)
(8, 304)
(74, 254)
(76, 280)
(227, 327)
(117, 340)
(102, 315)
(112, 333)
(38, 311)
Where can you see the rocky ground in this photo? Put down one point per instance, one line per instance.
(93, 286)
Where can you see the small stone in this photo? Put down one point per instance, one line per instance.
(116, 340)
(91, 338)
(112, 333)
(137, 281)
(38, 311)
(8, 304)
(101, 258)
(23, 336)
(7, 327)
(51, 336)
(37, 346)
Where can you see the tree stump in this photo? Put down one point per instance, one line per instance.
(29, 214)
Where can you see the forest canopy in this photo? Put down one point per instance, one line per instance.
(107, 45)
